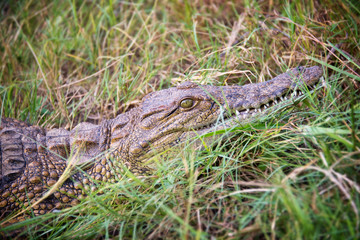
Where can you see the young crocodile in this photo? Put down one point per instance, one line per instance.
(33, 159)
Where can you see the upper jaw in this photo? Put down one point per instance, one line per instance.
(236, 114)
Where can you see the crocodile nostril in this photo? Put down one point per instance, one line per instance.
(300, 69)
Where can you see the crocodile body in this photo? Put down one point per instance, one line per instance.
(33, 159)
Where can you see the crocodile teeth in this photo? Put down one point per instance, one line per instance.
(246, 113)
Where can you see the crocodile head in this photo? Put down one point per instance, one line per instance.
(169, 116)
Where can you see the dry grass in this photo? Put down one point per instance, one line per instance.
(293, 175)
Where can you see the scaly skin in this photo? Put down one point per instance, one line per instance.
(33, 159)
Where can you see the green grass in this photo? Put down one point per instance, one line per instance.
(293, 175)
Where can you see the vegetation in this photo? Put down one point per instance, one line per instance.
(293, 175)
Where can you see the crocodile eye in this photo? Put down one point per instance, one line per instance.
(187, 103)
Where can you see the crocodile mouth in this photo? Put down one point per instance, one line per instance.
(244, 115)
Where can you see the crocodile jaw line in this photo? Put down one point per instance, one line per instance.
(227, 118)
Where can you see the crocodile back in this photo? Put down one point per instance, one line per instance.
(12, 159)
(24, 166)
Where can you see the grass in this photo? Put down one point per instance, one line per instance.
(292, 175)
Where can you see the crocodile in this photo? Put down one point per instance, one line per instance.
(34, 159)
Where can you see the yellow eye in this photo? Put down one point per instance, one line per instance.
(187, 103)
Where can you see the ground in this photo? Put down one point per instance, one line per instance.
(293, 175)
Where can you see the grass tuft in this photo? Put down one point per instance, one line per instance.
(291, 175)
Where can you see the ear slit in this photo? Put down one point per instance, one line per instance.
(170, 113)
